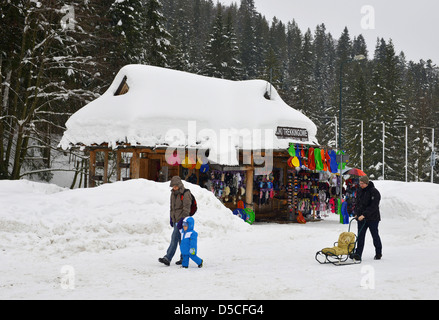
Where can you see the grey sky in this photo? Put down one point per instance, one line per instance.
(412, 25)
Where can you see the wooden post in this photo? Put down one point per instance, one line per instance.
(135, 165)
(144, 169)
(105, 167)
(249, 188)
(92, 169)
(249, 185)
(118, 161)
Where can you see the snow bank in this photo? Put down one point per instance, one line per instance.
(413, 205)
(418, 200)
(22, 187)
(46, 218)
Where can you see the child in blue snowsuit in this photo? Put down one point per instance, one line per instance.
(188, 245)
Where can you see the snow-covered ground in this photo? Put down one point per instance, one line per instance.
(103, 243)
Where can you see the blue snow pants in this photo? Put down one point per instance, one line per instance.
(194, 258)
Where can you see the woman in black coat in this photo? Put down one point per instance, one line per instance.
(367, 212)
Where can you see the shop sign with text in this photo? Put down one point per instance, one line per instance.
(292, 133)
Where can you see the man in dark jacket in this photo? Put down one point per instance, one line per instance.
(367, 212)
(180, 208)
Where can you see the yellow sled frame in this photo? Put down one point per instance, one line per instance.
(339, 254)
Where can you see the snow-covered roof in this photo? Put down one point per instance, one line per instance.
(163, 103)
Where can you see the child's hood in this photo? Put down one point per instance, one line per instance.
(190, 223)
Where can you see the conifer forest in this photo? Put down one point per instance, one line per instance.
(57, 57)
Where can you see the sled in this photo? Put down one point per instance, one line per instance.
(340, 253)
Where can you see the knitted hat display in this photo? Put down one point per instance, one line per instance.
(318, 159)
(334, 164)
(204, 168)
(299, 155)
(303, 155)
(188, 163)
(311, 159)
(323, 157)
(328, 160)
(199, 164)
(295, 162)
(292, 150)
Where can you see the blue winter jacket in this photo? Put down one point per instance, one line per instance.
(188, 245)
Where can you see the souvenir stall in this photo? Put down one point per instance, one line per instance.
(228, 186)
(305, 186)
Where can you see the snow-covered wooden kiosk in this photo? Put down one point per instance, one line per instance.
(151, 116)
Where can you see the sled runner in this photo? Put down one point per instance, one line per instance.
(342, 250)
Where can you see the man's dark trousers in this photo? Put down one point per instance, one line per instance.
(373, 227)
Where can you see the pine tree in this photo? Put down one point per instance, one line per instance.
(247, 35)
(294, 49)
(262, 31)
(306, 93)
(179, 26)
(388, 108)
(275, 56)
(422, 105)
(342, 78)
(373, 132)
(231, 51)
(434, 93)
(324, 51)
(323, 66)
(214, 62)
(221, 56)
(358, 108)
(127, 31)
(157, 38)
(202, 15)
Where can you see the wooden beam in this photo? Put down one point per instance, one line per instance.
(118, 161)
(92, 169)
(135, 165)
(155, 156)
(144, 168)
(249, 185)
(106, 166)
(249, 189)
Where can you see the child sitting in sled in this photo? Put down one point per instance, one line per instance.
(188, 245)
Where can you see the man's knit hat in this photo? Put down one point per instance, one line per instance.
(176, 181)
(364, 179)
